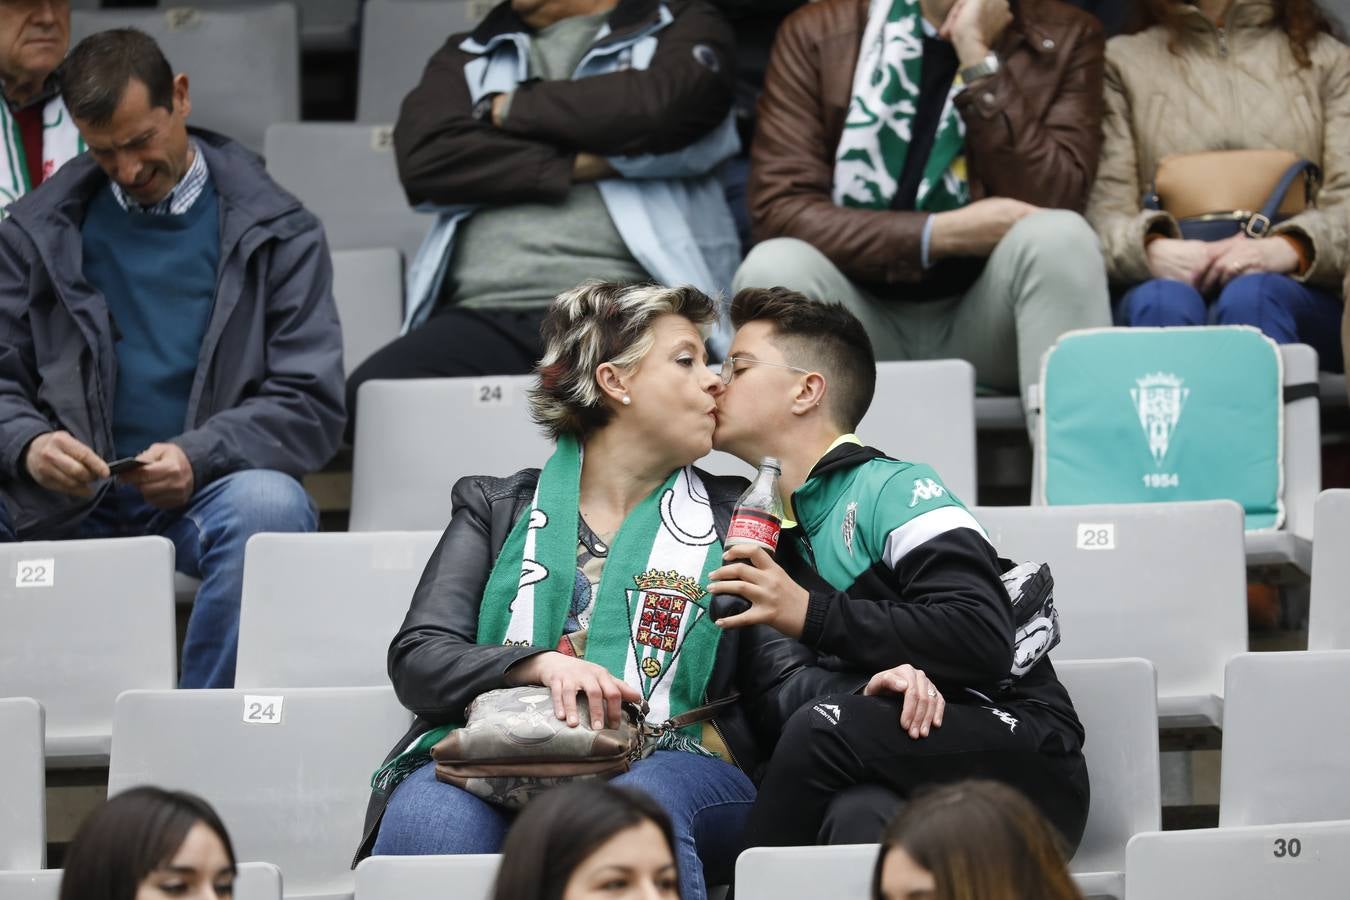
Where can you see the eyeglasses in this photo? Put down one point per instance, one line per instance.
(729, 366)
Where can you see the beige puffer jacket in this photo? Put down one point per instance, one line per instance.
(1231, 88)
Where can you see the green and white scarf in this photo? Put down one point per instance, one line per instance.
(61, 142)
(650, 624)
(877, 132)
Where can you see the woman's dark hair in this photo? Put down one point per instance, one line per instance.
(981, 840)
(130, 836)
(556, 832)
(1301, 20)
(96, 73)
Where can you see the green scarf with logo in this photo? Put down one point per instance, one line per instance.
(650, 624)
(878, 129)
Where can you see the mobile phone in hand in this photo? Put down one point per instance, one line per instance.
(125, 464)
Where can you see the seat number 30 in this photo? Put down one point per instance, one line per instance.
(1288, 848)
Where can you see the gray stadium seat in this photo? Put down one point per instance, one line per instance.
(936, 424)
(23, 811)
(1286, 734)
(291, 784)
(319, 610)
(467, 426)
(1292, 544)
(355, 192)
(416, 437)
(1329, 612)
(243, 63)
(368, 290)
(252, 881)
(1160, 592)
(812, 873)
(806, 873)
(1262, 862)
(398, 37)
(419, 877)
(1116, 700)
(54, 640)
(994, 413)
(324, 24)
(1302, 470)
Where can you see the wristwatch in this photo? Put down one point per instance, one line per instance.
(982, 69)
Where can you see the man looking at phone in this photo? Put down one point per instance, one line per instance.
(161, 298)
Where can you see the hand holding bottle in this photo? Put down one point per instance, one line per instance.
(768, 594)
(755, 522)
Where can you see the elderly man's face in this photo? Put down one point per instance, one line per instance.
(34, 38)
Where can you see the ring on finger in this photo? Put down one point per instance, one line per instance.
(932, 691)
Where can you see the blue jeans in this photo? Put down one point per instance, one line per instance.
(1286, 310)
(707, 800)
(208, 536)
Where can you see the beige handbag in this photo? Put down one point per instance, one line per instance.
(512, 747)
(1216, 194)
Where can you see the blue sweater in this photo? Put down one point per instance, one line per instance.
(158, 276)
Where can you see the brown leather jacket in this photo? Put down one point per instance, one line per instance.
(1033, 131)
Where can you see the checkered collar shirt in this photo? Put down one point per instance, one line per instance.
(183, 195)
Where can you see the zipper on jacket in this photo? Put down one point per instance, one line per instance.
(1223, 42)
(805, 537)
(726, 743)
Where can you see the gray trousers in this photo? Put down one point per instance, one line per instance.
(1044, 278)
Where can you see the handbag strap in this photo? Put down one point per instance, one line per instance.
(1259, 224)
(699, 713)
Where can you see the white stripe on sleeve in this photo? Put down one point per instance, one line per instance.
(923, 528)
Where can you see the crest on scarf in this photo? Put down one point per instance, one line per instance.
(663, 608)
(1158, 399)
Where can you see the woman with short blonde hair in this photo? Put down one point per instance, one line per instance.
(589, 577)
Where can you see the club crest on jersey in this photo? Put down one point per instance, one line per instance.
(850, 525)
(1158, 399)
(925, 489)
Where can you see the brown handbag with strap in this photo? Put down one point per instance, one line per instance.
(512, 747)
(1216, 194)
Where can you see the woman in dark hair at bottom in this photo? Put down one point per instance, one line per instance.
(148, 844)
(582, 841)
(972, 840)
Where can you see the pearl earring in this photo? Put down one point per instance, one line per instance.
(627, 400)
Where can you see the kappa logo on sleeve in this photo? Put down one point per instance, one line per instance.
(830, 712)
(925, 489)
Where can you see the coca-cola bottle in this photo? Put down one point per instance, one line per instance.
(757, 519)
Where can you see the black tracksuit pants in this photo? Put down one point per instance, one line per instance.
(843, 767)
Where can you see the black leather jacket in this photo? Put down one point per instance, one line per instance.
(437, 667)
